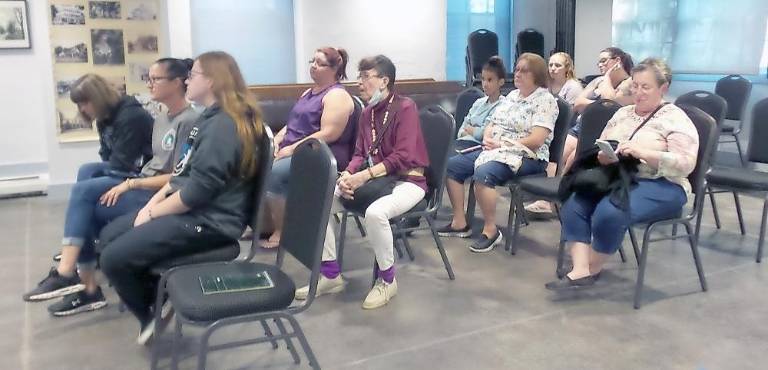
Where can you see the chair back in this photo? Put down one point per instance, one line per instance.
(308, 204)
(712, 104)
(463, 102)
(593, 121)
(562, 124)
(349, 135)
(530, 41)
(437, 127)
(266, 157)
(757, 150)
(708, 134)
(735, 90)
(482, 44)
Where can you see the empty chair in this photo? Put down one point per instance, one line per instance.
(482, 44)
(714, 105)
(735, 90)
(740, 180)
(530, 41)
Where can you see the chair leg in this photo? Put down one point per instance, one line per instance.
(519, 211)
(641, 268)
(342, 237)
(439, 244)
(303, 342)
(202, 354)
(738, 213)
(397, 246)
(738, 148)
(175, 345)
(633, 239)
(622, 254)
(471, 202)
(761, 239)
(715, 214)
(360, 227)
(696, 259)
(407, 245)
(288, 341)
(268, 333)
(560, 259)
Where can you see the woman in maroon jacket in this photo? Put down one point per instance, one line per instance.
(401, 153)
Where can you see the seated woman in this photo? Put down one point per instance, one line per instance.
(471, 130)
(322, 112)
(402, 153)
(515, 143)
(125, 129)
(92, 206)
(209, 197)
(563, 84)
(615, 84)
(666, 146)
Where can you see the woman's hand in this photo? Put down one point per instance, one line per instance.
(285, 152)
(109, 198)
(143, 216)
(489, 143)
(469, 130)
(632, 149)
(604, 159)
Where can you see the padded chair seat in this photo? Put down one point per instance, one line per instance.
(187, 296)
(545, 187)
(738, 178)
(222, 254)
(727, 129)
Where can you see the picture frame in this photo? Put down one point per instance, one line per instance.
(14, 25)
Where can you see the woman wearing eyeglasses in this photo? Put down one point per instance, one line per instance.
(322, 112)
(95, 202)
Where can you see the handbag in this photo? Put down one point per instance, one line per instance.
(374, 188)
(599, 180)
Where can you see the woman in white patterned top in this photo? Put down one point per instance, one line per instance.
(515, 143)
(666, 146)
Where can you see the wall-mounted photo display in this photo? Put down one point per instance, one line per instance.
(104, 9)
(141, 10)
(62, 15)
(108, 47)
(14, 25)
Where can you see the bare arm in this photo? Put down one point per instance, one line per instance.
(536, 139)
(337, 107)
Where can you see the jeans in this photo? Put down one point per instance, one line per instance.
(91, 170)
(492, 174)
(277, 184)
(602, 224)
(129, 252)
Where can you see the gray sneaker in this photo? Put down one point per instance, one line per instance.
(485, 244)
(79, 302)
(54, 286)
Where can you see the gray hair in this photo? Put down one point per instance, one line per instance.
(659, 67)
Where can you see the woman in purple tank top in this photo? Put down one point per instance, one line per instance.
(322, 112)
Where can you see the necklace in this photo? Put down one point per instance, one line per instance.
(374, 151)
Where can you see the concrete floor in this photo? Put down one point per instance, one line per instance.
(495, 315)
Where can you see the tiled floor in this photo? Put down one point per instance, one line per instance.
(495, 315)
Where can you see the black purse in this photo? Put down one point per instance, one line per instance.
(377, 187)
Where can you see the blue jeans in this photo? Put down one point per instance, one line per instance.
(277, 183)
(91, 170)
(600, 223)
(492, 174)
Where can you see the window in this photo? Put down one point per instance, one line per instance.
(695, 36)
(465, 16)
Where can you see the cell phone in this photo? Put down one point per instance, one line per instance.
(607, 149)
(215, 284)
(470, 149)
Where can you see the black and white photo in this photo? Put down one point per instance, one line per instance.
(14, 25)
(104, 9)
(140, 10)
(143, 44)
(67, 14)
(107, 47)
(138, 72)
(70, 52)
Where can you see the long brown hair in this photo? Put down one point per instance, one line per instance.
(234, 98)
(94, 89)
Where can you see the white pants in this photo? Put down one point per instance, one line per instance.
(404, 196)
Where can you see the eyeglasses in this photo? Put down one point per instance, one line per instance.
(192, 73)
(522, 70)
(363, 77)
(153, 80)
(318, 64)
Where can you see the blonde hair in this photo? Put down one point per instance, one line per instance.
(94, 89)
(234, 98)
(660, 69)
(568, 64)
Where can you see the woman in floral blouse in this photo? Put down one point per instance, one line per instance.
(666, 146)
(515, 143)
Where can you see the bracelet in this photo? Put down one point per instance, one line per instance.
(370, 173)
(129, 183)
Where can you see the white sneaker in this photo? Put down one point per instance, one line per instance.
(324, 286)
(380, 294)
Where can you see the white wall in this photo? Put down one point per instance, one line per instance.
(411, 33)
(178, 17)
(593, 33)
(540, 15)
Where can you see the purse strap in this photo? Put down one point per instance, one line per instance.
(646, 120)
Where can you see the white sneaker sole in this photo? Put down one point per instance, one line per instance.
(456, 234)
(496, 242)
(84, 308)
(303, 296)
(56, 293)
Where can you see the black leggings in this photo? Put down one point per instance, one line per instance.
(129, 253)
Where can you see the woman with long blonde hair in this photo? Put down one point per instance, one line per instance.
(206, 203)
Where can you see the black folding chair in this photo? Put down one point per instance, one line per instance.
(306, 217)
(464, 102)
(735, 89)
(530, 41)
(437, 127)
(707, 129)
(738, 180)
(482, 44)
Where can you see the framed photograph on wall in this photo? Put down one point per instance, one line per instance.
(14, 25)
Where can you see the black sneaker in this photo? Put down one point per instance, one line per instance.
(567, 283)
(448, 231)
(57, 257)
(78, 302)
(485, 244)
(54, 286)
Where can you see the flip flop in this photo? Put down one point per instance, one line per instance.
(538, 210)
(268, 244)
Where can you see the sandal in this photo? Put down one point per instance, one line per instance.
(539, 209)
(269, 243)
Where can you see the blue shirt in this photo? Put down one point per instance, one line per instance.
(477, 118)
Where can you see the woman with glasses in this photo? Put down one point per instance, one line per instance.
(515, 143)
(208, 199)
(95, 202)
(392, 121)
(322, 112)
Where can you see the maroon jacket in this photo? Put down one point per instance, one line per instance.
(403, 146)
